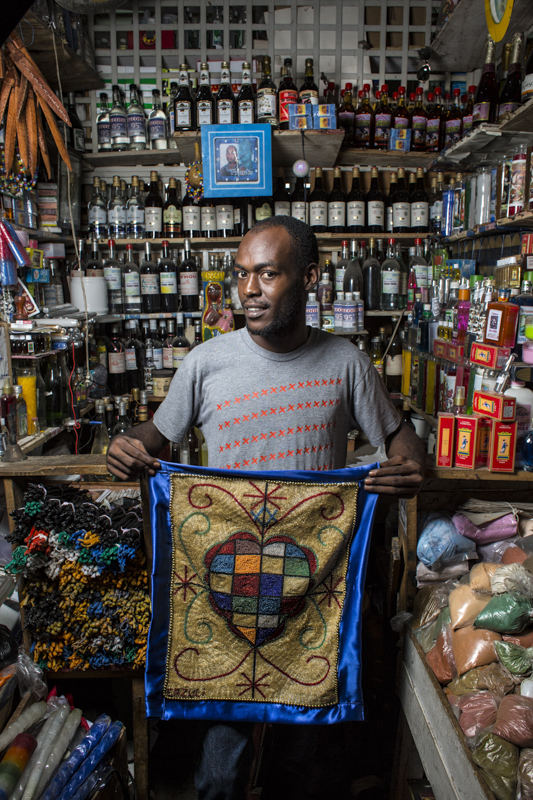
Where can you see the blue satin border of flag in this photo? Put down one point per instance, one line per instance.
(350, 705)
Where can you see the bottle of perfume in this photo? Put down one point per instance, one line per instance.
(502, 321)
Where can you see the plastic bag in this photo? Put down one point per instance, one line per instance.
(429, 577)
(400, 621)
(429, 601)
(480, 577)
(496, 530)
(473, 648)
(528, 564)
(440, 545)
(524, 639)
(514, 720)
(525, 775)
(440, 658)
(30, 677)
(512, 578)
(465, 684)
(465, 605)
(518, 660)
(478, 711)
(514, 555)
(499, 761)
(494, 551)
(506, 613)
(496, 679)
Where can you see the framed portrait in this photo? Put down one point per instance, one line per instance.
(237, 160)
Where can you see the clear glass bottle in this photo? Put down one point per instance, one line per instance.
(136, 121)
(97, 212)
(123, 423)
(113, 276)
(116, 212)
(103, 126)
(135, 211)
(418, 263)
(390, 280)
(118, 122)
(157, 124)
(101, 436)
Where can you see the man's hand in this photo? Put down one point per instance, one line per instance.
(399, 477)
(127, 457)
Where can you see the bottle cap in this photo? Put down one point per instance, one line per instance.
(357, 295)
(17, 390)
(459, 397)
(340, 295)
(348, 296)
(8, 387)
(312, 297)
(464, 293)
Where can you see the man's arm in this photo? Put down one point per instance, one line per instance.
(403, 474)
(133, 452)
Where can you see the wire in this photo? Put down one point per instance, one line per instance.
(76, 423)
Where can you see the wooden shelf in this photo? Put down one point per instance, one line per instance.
(453, 473)
(47, 466)
(161, 315)
(489, 141)
(501, 226)
(393, 312)
(520, 120)
(385, 158)
(133, 158)
(76, 74)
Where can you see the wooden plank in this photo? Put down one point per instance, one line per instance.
(407, 532)
(140, 739)
(440, 742)
(134, 158)
(394, 576)
(384, 158)
(479, 475)
(14, 496)
(76, 674)
(48, 466)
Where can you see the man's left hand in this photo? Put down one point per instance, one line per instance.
(399, 477)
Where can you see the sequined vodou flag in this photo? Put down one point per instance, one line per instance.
(257, 587)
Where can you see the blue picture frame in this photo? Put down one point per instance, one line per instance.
(237, 160)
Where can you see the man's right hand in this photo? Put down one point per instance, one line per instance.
(127, 457)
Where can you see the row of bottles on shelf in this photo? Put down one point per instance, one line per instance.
(407, 208)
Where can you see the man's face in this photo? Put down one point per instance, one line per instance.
(231, 155)
(271, 292)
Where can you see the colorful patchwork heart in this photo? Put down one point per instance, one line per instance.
(255, 587)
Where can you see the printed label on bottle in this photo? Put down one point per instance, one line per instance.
(336, 214)
(494, 322)
(389, 219)
(525, 316)
(362, 127)
(282, 208)
(118, 125)
(188, 283)
(421, 272)
(381, 133)
(355, 212)
(286, 98)
(224, 218)
(299, 210)
(205, 112)
(266, 104)
(116, 363)
(157, 355)
(178, 354)
(452, 132)
(153, 219)
(225, 112)
(102, 358)
(104, 132)
(113, 276)
(435, 212)
(401, 123)
(419, 125)
(236, 216)
(346, 120)
(390, 281)
(419, 215)
(132, 284)
(169, 282)
(182, 112)
(135, 124)
(318, 213)
(349, 317)
(172, 215)
(527, 88)
(481, 112)
(312, 315)
(246, 112)
(309, 97)
(117, 215)
(131, 361)
(209, 219)
(467, 123)
(376, 212)
(191, 218)
(518, 185)
(135, 214)
(157, 129)
(97, 214)
(263, 212)
(167, 357)
(339, 278)
(79, 140)
(401, 215)
(432, 132)
(150, 284)
(506, 108)
(394, 365)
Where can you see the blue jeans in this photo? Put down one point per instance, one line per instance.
(227, 754)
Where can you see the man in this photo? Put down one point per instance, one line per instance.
(274, 395)
(231, 168)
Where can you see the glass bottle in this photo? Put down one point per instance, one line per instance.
(382, 120)
(299, 206)
(191, 216)
(167, 345)
(208, 217)
(418, 263)
(188, 280)
(309, 89)
(401, 119)
(132, 302)
(375, 206)
(266, 96)
(318, 205)
(312, 311)
(134, 349)
(525, 303)
(436, 204)
(404, 275)
(157, 123)
(101, 436)
(113, 276)
(184, 103)
(364, 121)
(287, 94)
(135, 211)
(419, 205)
(341, 266)
(116, 213)
(123, 423)
(372, 279)
(172, 211)
(419, 122)
(401, 207)
(376, 355)
(502, 321)
(116, 363)
(205, 102)
(225, 103)
(346, 117)
(486, 99)
(353, 277)
(325, 289)
(393, 362)
(103, 126)
(263, 208)
(390, 280)
(153, 209)
(434, 127)
(168, 281)
(390, 201)
(453, 122)
(281, 198)
(355, 205)
(337, 204)
(118, 123)
(149, 274)
(97, 212)
(517, 189)
(224, 215)
(180, 345)
(527, 83)
(136, 122)
(468, 111)
(511, 93)
(460, 317)
(246, 97)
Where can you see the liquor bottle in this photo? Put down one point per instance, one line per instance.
(419, 265)
(401, 207)
(246, 97)
(502, 321)
(486, 99)
(419, 205)
(188, 280)
(172, 211)
(118, 124)
(419, 122)
(153, 209)
(94, 267)
(263, 209)
(524, 301)
(325, 290)
(287, 94)
(504, 66)
(309, 89)
(404, 275)
(132, 284)
(208, 217)
(123, 423)
(382, 120)
(281, 198)
(355, 205)
(156, 344)
(342, 265)
(337, 204)
(266, 96)
(184, 103)
(97, 212)
(191, 216)
(168, 281)
(412, 184)
(511, 93)
(113, 276)
(136, 122)
(527, 83)
(299, 208)
(116, 363)
(116, 212)
(167, 345)
(76, 133)
(171, 116)
(390, 280)
(318, 205)
(401, 119)
(225, 103)
(205, 102)
(436, 205)
(468, 111)
(372, 279)
(135, 356)
(180, 345)
(376, 355)
(101, 437)
(346, 117)
(149, 274)
(390, 200)
(135, 211)
(353, 276)
(434, 125)
(157, 123)
(224, 214)
(453, 121)
(364, 121)
(518, 183)
(375, 206)
(393, 363)
(103, 126)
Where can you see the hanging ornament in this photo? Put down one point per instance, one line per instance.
(194, 178)
(300, 168)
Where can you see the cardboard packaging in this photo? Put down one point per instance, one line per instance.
(53, 250)
(300, 116)
(495, 406)
(440, 348)
(466, 441)
(324, 110)
(502, 447)
(400, 140)
(489, 355)
(484, 432)
(455, 352)
(445, 440)
(325, 123)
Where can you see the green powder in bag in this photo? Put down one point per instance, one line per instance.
(505, 613)
(498, 760)
(518, 660)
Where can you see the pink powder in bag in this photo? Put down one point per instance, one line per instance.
(495, 531)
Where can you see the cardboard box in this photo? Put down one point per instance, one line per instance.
(325, 123)
(53, 250)
(300, 110)
(36, 257)
(455, 352)
(484, 432)
(489, 355)
(301, 123)
(527, 243)
(324, 110)
(400, 141)
(445, 440)
(466, 441)
(502, 447)
(440, 348)
(37, 275)
(496, 406)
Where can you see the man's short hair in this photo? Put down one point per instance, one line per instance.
(304, 243)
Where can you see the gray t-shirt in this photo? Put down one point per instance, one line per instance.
(263, 411)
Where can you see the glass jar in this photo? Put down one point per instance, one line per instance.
(483, 188)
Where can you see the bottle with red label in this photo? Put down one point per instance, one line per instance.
(346, 116)
(453, 122)
(401, 119)
(382, 120)
(364, 121)
(486, 99)
(287, 94)
(510, 96)
(419, 122)
(468, 112)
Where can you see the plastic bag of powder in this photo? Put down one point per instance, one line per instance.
(499, 761)
(478, 711)
(514, 720)
(505, 613)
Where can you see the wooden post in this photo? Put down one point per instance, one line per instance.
(407, 536)
(140, 738)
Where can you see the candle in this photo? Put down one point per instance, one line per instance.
(27, 379)
(14, 761)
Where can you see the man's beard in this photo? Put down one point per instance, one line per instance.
(287, 320)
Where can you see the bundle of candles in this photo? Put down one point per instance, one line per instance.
(87, 603)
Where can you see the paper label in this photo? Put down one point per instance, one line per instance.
(319, 213)
(494, 321)
(355, 211)
(172, 215)
(132, 284)
(527, 88)
(169, 282)
(131, 361)
(299, 211)
(182, 111)
(419, 215)
(401, 123)
(104, 132)
(383, 123)
(263, 212)
(246, 112)
(362, 128)
(336, 214)
(157, 355)
(266, 103)
(157, 129)
(205, 112)
(209, 218)
(394, 365)
(224, 218)
(390, 281)
(113, 276)
(467, 123)
(135, 124)
(150, 284)
(97, 214)
(118, 125)
(401, 215)
(286, 98)
(117, 214)
(153, 219)
(191, 218)
(178, 354)
(225, 112)
(481, 112)
(282, 208)
(309, 96)
(167, 358)
(376, 212)
(135, 214)
(116, 363)
(188, 283)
